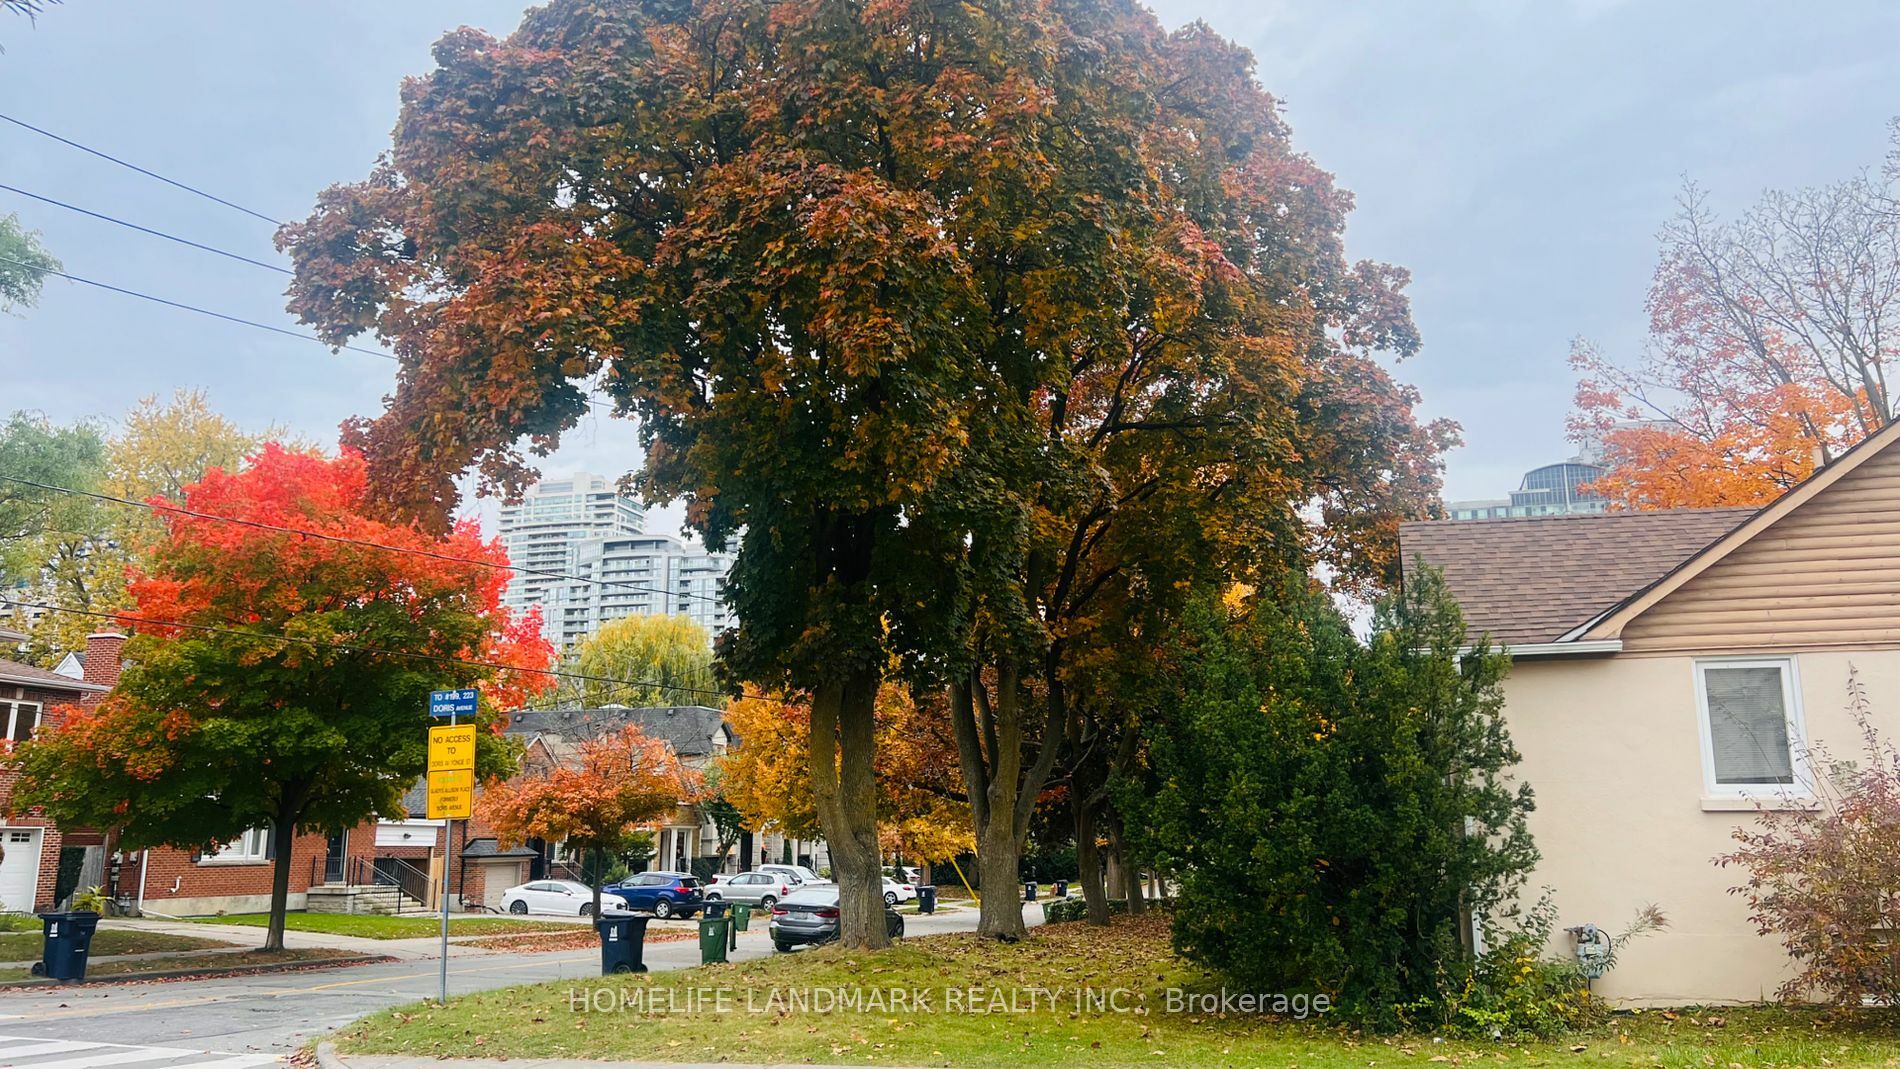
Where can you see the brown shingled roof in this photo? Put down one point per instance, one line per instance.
(16, 672)
(1533, 579)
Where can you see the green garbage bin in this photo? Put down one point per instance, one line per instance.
(712, 939)
(741, 917)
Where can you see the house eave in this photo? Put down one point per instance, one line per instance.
(50, 684)
(1593, 648)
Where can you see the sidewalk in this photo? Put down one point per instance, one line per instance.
(425, 948)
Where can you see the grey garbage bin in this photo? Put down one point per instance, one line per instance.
(622, 943)
(66, 938)
(927, 899)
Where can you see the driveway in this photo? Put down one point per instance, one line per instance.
(277, 1013)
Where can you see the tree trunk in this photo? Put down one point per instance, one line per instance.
(1130, 879)
(844, 786)
(1088, 858)
(990, 737)
(281, 834)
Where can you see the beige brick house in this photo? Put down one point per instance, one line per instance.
(1670, 672)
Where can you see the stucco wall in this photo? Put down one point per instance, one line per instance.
(1612, 748)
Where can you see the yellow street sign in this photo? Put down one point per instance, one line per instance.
(452, 748)
(451, 794)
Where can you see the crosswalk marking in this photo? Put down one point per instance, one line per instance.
(51, 1046)
(19, 1052)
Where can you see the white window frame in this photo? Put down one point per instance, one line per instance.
(1803, 785)
(250, 848)
(15, 706)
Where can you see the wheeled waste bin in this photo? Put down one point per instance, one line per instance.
(1029, 890)
(622, 941)
(1062, 889)
(717, 909)
(713, 933)
(66, 938)
(741, 917)
(927, 899)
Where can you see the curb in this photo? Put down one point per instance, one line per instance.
(326, 1057)
(209, 971)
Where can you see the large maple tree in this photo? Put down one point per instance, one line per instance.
(281, 681)
(840, 260)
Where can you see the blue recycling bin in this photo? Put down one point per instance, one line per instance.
(66, 938)
(622, 943)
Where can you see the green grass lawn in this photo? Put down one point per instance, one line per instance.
(670, 1016)
(19, 922)
(386, 926)
(25, 946)
(107, 969)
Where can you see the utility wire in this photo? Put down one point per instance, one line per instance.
(323, 536)
(191, 308)
(149, 174)
(352, 647)
(588, 400)
(145, 229)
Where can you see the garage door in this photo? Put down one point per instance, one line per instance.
(19, 868)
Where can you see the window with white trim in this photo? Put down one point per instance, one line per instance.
(1751, 726)
(20, 719)
(253, 845)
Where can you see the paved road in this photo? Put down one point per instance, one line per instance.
(275, 1014)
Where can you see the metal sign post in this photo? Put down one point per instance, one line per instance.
(451, 787)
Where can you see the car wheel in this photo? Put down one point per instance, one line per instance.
(767, 903)
(587, 909)
(890, 898)
(715, 897)
(896, 927)
(781, 946)
(518, 908)
(663, 909)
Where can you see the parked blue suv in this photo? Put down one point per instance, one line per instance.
(663, 894)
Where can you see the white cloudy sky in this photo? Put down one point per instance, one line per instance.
(1516, 155)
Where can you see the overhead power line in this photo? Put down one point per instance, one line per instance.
(352, 647)
(590, 400)
(192, 308)
(345, 540)
(146, 230)
(147, 173)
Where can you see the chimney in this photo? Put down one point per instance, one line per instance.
(105, 656)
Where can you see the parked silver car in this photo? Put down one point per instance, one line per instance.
(761, 889)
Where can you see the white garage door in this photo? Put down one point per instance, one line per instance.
(19, 868)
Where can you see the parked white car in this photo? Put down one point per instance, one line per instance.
(562, 897)
(895, 892)
(799, 875)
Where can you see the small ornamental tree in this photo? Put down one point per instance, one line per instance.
(594, 800)
(1824, 879)
(281, 681)
(1344, 805)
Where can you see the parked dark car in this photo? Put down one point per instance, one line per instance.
(663, 894)
(810, 915)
